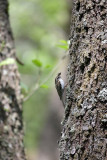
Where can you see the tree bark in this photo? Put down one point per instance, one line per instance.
(11, 125)
(85, 123)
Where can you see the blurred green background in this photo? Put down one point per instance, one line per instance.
(37, 26)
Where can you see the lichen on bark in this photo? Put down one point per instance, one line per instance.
(85, 123)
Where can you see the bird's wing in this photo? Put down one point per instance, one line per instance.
(59, 89)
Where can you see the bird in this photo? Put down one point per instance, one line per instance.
(60, 86)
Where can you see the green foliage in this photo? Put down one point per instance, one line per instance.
(44, 86)
(37, 62)
(64, 44)
(48, 66)
(7, 61)
(63, 41)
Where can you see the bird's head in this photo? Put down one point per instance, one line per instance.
(59, 75)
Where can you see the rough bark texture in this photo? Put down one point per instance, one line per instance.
(85, 124)
(11, 126)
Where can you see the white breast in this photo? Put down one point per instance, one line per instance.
(62, 83)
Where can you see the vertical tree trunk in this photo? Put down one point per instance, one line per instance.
(11, 125)
(84, 127)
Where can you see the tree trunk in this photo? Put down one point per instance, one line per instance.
(11, 125)
(84, 127)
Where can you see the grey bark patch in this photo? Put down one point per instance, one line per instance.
(102, 96)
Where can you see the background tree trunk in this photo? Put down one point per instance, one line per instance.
(84, 127)
(11, 125)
